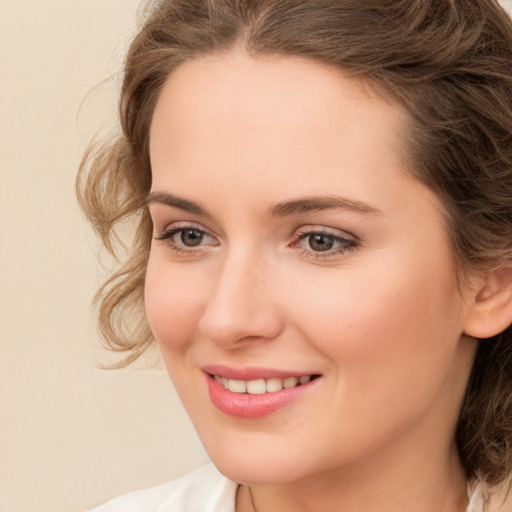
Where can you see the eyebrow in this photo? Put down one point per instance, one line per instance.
(176, 202)
(315, 204)
(284, 209)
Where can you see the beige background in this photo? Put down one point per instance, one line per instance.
(70, 435)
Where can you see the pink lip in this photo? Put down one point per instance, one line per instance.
(250, 373)
(245, 405)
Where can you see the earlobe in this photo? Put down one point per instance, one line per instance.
(491, 309)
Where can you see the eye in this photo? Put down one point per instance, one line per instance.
(320, 242)
(187, 238)
(191, 237)
(323, 243)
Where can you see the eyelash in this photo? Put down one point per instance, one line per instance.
(346, 244)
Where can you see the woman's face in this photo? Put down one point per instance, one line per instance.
(290, 242)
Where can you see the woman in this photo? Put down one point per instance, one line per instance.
(323, 191)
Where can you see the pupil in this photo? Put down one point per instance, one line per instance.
(191, 237)
(321, 242)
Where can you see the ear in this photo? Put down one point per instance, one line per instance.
(491, 309)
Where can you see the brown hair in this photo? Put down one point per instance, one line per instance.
(448, 62)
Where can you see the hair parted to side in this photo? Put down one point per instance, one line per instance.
(448, 62)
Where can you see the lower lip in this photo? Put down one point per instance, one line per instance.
(245, 405)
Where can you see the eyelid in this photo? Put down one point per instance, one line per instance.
(310, 229)
(165, 218)
(178, 225)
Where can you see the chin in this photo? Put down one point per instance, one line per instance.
(259, 467)
(251, 472)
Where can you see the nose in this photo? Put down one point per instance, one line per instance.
(240, 306)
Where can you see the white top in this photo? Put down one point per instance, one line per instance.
(203, 490)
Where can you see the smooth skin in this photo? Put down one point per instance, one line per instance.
(289, 234)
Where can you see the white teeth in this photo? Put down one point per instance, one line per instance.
(256, 387)
(238, 386)
(290, 382)
(274, 385)
(261, 386)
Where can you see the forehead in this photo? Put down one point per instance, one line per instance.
(239, 91)
(233, 118)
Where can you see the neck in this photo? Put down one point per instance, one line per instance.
(381, 486)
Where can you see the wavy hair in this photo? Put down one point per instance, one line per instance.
(448, 62)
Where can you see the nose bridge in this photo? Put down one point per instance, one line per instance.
(240, 304)
(240, 276)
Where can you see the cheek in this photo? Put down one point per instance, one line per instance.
(173, 302)
(391, 341)
(385, 325)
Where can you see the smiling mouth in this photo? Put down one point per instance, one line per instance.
(262, 386)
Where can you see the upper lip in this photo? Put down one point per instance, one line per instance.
(252, 373)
